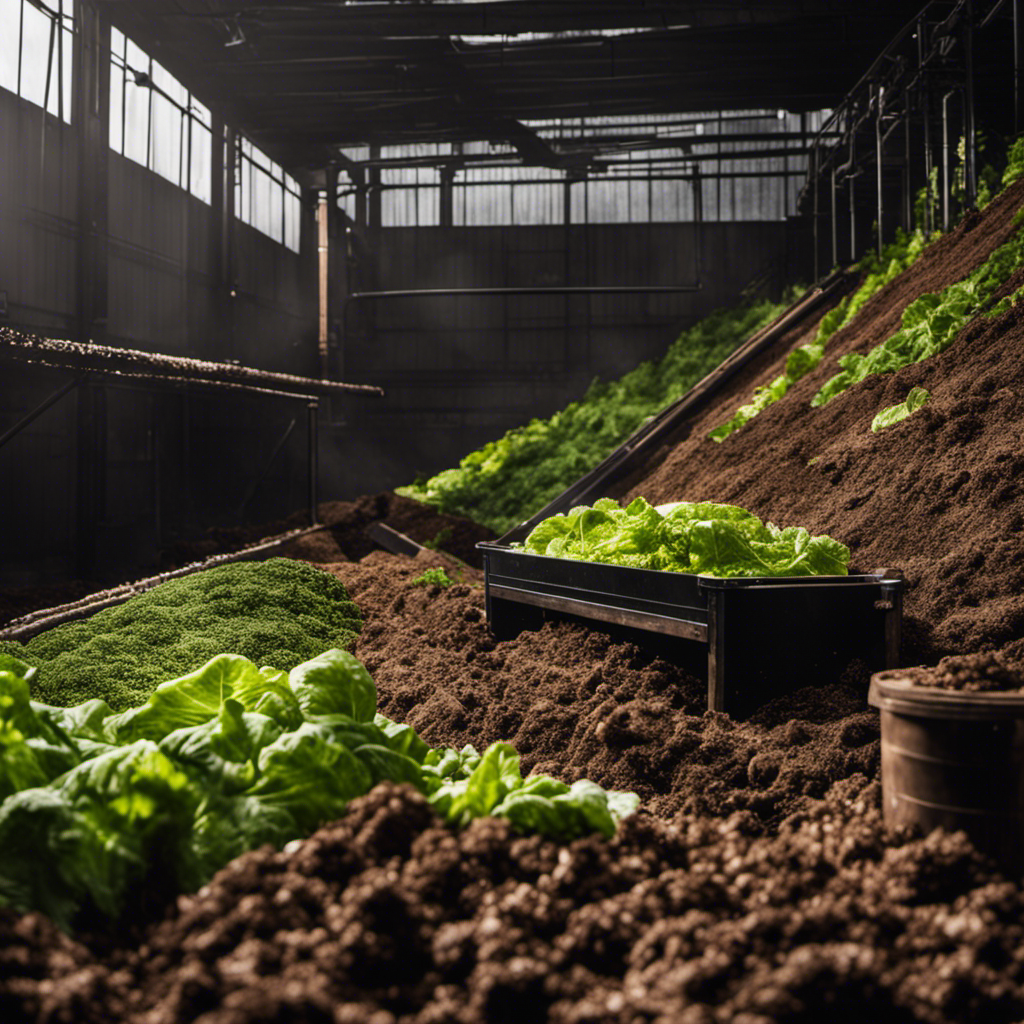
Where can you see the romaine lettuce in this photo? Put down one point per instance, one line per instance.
(220, 761)
(695, 537)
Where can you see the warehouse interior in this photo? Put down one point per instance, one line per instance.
(477, 207)
(513, 511)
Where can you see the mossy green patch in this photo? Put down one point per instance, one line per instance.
(278, 612)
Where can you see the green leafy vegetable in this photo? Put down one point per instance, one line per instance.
(433, 578)
(879, 271)
(694, 537)
(220, 761)
(277, 612)
(510, 478)
(916, 397)
(931, 322)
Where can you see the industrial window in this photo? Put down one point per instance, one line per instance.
(267, 198)
(36, 46)
(642, 169)
(155, 121)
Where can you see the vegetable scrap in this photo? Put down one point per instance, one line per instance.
(892, 414)
(98, 805)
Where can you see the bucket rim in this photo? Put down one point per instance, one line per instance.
(892, 691)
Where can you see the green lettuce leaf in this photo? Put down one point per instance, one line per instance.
(334, 682)
(916, 398)
(694, 537)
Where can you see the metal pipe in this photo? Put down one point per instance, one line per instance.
(312, 410)
(946, 184)
(835, 226)
(879, 108)
(908, 205)
(926, 105)
(970, 148)
(594, 289)
(40, 409)
(1016, 66)
(814, 217)
(105, 359)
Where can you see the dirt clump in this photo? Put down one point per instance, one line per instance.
(388, 917)
(970, 673)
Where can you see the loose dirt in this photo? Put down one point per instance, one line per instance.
(940, 495)
(758, 883)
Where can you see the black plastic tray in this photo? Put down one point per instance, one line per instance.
(763, 636)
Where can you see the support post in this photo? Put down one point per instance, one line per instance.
(835, 226)
(926, 107)
(853, 217)
(716, 650)
(698, 224)
(446, 211)
(970, 148)
(946, 183)
(91, 69)
(879, 147)
(312, 410)
(1016, 66)
(908, 203)
(813, 161)
(323, 257)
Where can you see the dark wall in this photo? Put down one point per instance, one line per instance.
(461, 370)
(161, 464)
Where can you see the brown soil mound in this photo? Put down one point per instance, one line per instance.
(577, 705)
(757, 884)
(939, 495)
(343, 537)
(389, 918)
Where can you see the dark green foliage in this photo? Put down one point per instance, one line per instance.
(279, 612)
(508, 480)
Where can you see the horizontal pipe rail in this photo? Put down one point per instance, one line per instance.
(124, 362)
(611, 289)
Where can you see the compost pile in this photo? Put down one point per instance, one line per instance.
(940, 495)
(757, 884)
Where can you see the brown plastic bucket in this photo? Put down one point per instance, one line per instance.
(954, 760)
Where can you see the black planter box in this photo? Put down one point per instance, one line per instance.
(763, 636)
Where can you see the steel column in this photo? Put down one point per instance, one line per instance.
(313, 409)
(970, 148)
(879, 147)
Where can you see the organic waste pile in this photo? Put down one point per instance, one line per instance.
(756, 883)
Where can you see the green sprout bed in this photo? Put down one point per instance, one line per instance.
(279, 612)
(879, 271)
(510, 478)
